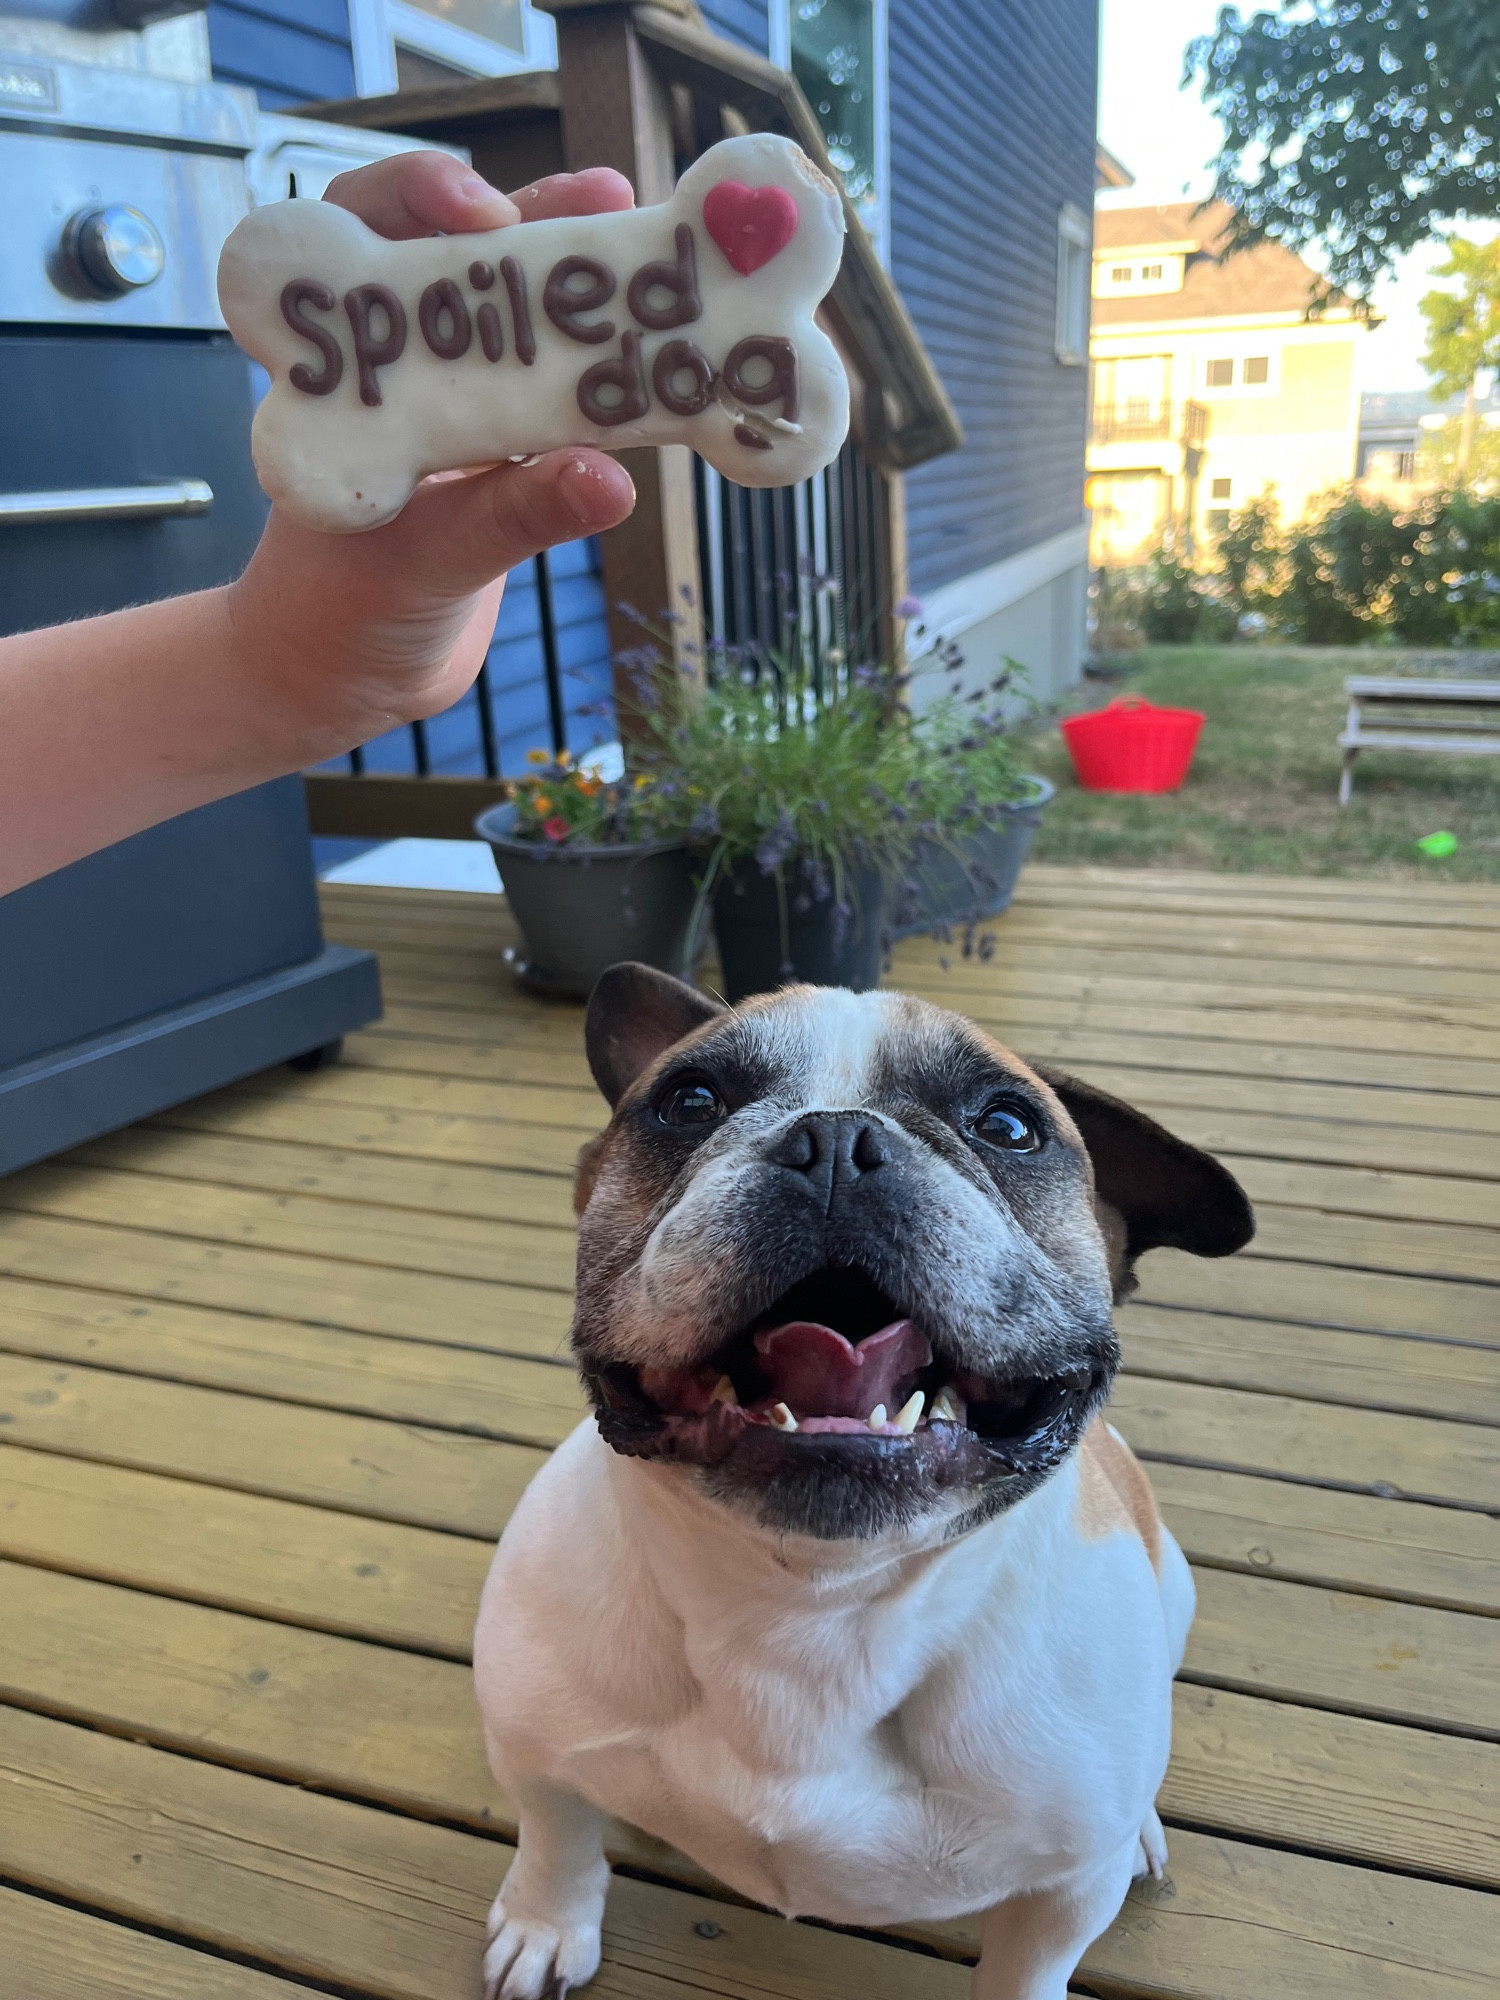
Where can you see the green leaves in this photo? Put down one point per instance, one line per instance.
(1354, 126)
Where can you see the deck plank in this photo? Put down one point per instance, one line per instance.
(56, 1953)
(277, 1700)
(275, 1367)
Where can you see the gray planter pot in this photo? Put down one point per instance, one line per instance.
(581, 909)
(979, 878)
(758, 953)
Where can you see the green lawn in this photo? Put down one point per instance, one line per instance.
(1262, 795)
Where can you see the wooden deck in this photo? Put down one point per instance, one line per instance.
(274, 1367)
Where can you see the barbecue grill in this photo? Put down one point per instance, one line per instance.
(192, 954)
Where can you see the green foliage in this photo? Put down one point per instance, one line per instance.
(790, 760)
(1356, 124)
(1355, 570)
(1463, 327)
(1438, 454)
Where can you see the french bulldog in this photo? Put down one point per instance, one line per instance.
(846, 1588)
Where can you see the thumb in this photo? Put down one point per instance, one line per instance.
(462, 533)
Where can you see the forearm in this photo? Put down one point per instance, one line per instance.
(114, 723)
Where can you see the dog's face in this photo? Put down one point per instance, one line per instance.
(853, 1261)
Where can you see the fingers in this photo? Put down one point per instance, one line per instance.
(421, 194)
(595, 191)
(459, 534)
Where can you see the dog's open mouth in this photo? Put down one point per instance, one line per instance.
(837, 1357)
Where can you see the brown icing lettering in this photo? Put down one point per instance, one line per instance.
(745, 435)
(491, 337)
(443, 298)
(680, 357)
(295, 298)
(679, 277)
(520, 310)
(625, 374)
(562, 301)
(372, 350)
(781, 357)
(481, 275)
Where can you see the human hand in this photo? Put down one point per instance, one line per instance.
(349, 635)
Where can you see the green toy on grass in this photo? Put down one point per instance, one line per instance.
(1438, 846)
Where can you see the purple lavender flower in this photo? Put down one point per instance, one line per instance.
(704, 825)
(908, 607)
(777, 844)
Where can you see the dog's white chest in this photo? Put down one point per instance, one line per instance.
(866, 1752)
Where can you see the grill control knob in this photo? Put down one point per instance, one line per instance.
(114, 250)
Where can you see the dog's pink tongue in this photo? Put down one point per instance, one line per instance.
(817, 1373)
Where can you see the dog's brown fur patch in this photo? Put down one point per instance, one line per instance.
(1114, 1492)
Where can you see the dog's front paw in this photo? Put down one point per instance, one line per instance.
(534, 1956)
(1153, 1856)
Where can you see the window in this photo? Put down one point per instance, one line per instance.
(1257, 368)
(1216, 520)
(836, 49)
(1406, 465)
(1120, 275)
(1072, 337)
(1219, 374)
(1150, 272)
(408, 42)
(1220, 488)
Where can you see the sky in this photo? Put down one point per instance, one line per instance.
(1165, 136)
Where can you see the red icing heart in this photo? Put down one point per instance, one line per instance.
(750, 225)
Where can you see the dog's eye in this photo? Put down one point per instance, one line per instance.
(690, 1102)
(1007, 1123)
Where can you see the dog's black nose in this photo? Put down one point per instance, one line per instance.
(832, 1149)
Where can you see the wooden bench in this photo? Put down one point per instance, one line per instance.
(1458, 716)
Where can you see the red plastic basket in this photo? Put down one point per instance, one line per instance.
(1132, 746)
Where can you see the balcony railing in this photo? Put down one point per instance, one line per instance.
(1144, 422)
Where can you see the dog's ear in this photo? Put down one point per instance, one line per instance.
(1154, 1189)
(634, 1013)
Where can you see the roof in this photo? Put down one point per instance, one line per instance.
(1110, 171)
(1267, 279)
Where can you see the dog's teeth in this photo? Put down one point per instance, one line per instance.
(723, 1391)
(877, 1417)
(947, 1408)
(782, 1417)
(910, 1413)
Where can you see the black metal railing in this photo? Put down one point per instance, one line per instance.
(1141, 421)
(481, 698)
(814, 557)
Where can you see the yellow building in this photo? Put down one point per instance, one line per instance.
(1209, 380)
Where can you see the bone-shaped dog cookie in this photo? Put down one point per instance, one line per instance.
(691, 322)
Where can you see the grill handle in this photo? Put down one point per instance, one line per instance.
(108, 503)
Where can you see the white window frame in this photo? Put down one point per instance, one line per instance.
(780, 51)
(377, 27)
(1075, 239)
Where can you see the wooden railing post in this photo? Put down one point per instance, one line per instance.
(616, 112)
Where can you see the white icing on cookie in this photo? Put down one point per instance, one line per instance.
(690, 323)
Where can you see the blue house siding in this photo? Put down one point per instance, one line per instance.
(287, 51)
(517, 684)
(744, 21)
(992, 131)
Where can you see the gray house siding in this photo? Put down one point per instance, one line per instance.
(992, 131)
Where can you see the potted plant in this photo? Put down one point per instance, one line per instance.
(982, 811)
(827, 816)
(593, 872)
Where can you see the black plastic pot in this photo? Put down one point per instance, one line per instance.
(583, 908)
(977, 877)
(770, 934)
